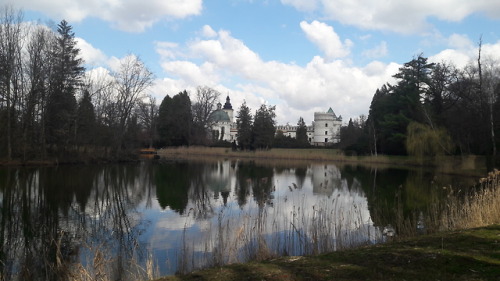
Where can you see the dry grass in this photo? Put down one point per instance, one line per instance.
(101, 266)
(470, 165)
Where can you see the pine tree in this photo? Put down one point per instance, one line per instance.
(244, 126)
(301, 133)
(85, 120)
(264, 127)
(175, 120)
(66, 71)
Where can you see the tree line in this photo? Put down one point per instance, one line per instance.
(432, 109)
(183, 123)
(51, 108)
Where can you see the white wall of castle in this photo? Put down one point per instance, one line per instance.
(325, 129)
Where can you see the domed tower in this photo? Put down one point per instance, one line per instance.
(228, 108)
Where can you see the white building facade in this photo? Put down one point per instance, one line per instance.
(324, 131)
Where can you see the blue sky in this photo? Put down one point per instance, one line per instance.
(300, 55)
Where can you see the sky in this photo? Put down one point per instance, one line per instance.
(303, 56)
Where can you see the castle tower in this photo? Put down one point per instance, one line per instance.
(228, 108)
(326, 128)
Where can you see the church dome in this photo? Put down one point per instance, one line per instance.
(219, 116)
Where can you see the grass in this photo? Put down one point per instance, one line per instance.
(472, 254)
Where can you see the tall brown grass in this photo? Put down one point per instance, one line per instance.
(102, 266)
(471, 164)
(463, 208)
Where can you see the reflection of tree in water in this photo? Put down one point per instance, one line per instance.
(399, 196)
(258, 178)
(172, 185)
(300, 173)
(198, 184)
(51, 216)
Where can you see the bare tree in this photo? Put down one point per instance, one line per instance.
(488, 80)
(132, 79)
(100, 85)
(36, 96)
(10, 75)
(203, 106)
(148, 115)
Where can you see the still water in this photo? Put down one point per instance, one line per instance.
(131, 220)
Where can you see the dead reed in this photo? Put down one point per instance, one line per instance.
(473, 165)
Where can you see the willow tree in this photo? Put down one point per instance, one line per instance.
(424, 141)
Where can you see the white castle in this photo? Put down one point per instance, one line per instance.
(325, 129)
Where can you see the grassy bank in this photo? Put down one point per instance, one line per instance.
(472, 164)
(472, 254)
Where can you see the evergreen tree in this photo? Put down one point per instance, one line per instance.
(244, 126)
(164, 129)
(394, 107)
(301, 133)
(66, 71)
(264, 127)
(175, 120)
(85, 120)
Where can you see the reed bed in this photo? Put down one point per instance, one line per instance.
(464, 208)
(102, 266)
(470, 165)
(319, 154)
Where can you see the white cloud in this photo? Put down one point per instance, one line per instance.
(326, 39)
(377, 52)
(308, 5)
(128, 15)
(460, 41)
(91, 55)
(395, 15)
(466, 52)
(166, 49)
(208, 32)
(296, 90)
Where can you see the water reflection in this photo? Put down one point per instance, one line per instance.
(59, 222)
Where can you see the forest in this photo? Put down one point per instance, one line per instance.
(432, 109)
(53, 108)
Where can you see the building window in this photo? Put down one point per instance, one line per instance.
(326, 139)
(326, 133)
(326, 124)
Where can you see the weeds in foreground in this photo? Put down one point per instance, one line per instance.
(100, 266)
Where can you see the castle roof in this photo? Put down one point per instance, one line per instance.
(330, 111)
(219, 115)
(228, 105)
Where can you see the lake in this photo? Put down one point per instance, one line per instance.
(130, 221)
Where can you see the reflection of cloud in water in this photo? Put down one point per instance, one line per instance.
(320, 205)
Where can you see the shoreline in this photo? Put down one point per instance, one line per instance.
(471, 165)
